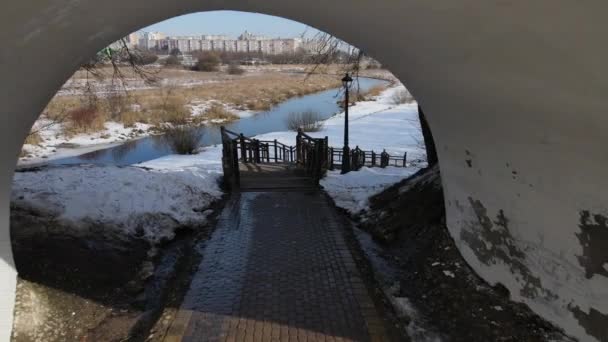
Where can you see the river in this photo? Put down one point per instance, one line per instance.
(141, 150)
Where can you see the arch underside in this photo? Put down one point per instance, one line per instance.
(513, 92)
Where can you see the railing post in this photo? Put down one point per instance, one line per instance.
(243, 148)
(299, 146)
(325, 150)
(331, 158)
(235, 160)
(405, 159)
(384, 159)
(256, 151)
(320, 146)
(250, 152)
(373, 158)
(275, 151)
(362, 159)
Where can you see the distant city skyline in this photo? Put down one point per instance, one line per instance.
(231, 23)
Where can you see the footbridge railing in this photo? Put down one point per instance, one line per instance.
(360, 158)
(312, 154)
(309, 153)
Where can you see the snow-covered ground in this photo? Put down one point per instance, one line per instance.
(151, 199)
(176, 190)
(352, 190)
(55, 144)
(198, 108)
(373, 125)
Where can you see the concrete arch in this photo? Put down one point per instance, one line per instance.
(514, 93)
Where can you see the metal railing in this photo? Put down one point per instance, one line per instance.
(360, 158)
(314, 155)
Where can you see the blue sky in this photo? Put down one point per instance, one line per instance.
(231, 23)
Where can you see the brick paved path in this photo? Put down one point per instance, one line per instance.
(277, 269)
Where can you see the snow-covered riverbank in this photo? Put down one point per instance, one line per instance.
(152, 199)
(375, 125)
(55, 144)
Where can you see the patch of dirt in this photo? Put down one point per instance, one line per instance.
(92, 284)
(408, 222)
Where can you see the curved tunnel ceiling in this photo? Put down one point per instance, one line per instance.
(514, 93)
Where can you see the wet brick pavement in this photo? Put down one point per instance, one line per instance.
(277, 268)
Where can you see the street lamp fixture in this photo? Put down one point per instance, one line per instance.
(347, 81)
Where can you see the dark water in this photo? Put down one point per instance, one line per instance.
(137, 151)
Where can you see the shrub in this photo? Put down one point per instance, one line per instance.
(373, 65)
(235, 69)
(116, 103)
(175, 52)
(218, 112)
(259, 105)
(309, 121)
(172, 61)
(208, 61)
(402, 96)
(171, 109)
(174, 117)
(85, 119)
(143, 57)
(183, 139)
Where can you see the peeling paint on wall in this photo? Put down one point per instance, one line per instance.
(594, 239)
(594, 322)
(492, 242)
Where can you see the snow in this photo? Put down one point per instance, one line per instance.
(56, 145)
(352, 190)
(449, 274)
(199, 107)
(180, 188)
(373, 125)
(157, 196)
(417, 328)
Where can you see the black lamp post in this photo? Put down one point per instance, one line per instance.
(346, 82)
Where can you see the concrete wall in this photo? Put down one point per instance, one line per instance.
(514, 92)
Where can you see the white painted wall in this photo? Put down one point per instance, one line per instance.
(511, 86)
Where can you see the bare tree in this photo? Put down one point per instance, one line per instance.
(119, 58)
(327, 49)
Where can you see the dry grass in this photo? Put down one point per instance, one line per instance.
(167, 104)
(218, 112)
(367, 95)
(33, 138)
(131, 117)
(114, 104)
(259, 92)
(235, 69)
(86, 119)
(375, 91)
(401, 97)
